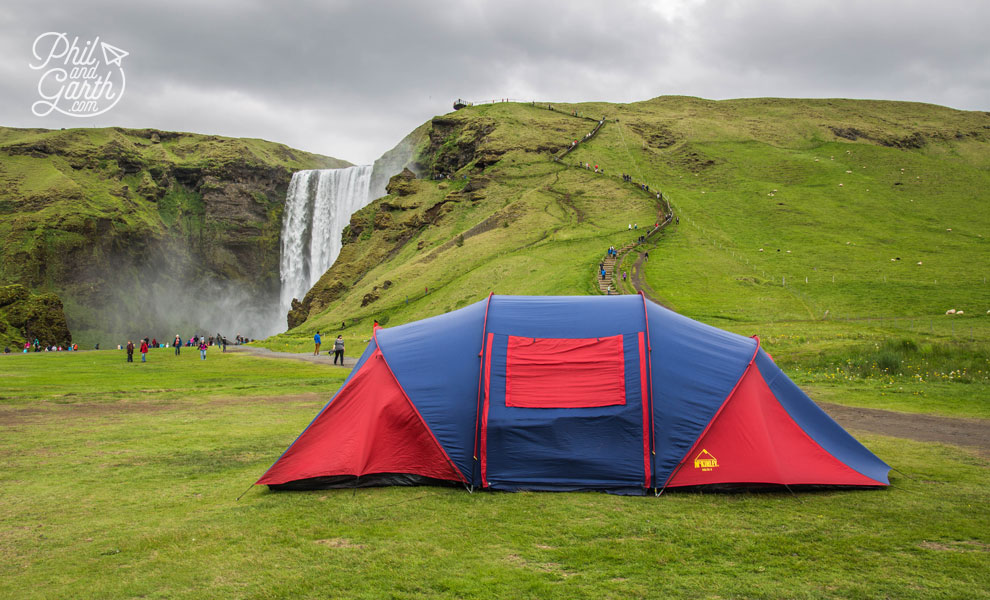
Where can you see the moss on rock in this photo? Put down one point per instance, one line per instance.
(25, 317)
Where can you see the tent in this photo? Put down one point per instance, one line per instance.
(610, 393)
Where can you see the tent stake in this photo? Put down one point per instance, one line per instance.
(793, 494)
(244, 492)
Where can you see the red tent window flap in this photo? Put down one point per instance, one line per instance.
(565, 373)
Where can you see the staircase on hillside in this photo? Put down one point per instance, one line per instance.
(604, 283)
(611, 277)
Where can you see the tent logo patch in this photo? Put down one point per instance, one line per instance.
(705, 461)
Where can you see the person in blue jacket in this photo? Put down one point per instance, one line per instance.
(316, 340)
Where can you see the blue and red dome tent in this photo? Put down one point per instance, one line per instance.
(608, 393)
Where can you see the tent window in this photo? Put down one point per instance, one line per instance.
(565, 373)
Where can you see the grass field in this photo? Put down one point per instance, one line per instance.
(121, 481)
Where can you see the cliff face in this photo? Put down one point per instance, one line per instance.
(140, 230)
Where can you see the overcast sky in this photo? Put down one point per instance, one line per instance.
(350, 79)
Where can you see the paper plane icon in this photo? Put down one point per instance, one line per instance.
(113, 51)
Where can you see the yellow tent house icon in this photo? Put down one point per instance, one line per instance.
(705, 461)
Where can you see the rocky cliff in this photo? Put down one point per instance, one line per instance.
(27, 317)
(144, 231)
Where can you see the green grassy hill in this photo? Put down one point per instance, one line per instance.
(118, 221)
(769, 191)
(802, 221)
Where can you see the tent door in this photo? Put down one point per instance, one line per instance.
(564, 413)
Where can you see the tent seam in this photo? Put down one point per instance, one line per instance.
(481, 366)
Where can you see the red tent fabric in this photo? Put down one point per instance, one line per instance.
(753, 440)
(371, 427)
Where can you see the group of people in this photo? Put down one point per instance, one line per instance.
(201, 343)
(37, 346)
(338, 347)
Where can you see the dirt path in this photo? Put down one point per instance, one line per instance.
(973, 433)
(322, 359)
(640, 285)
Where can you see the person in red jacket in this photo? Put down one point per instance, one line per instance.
(144, 350)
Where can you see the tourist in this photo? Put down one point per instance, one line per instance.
(338, 350)
(177, 342)
(144, 350)
(202, 349)
(316, 340)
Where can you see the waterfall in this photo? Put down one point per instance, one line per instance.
(318, 205)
